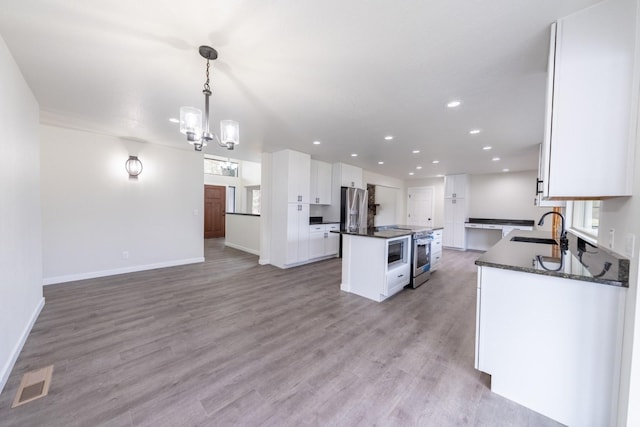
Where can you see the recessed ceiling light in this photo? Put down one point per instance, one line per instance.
(388, 137)
(505, 170)
(487, 147)
(439, 175)
(354, 155)
(418, 167)
(495, 159)
(454, 104)
(474, 131)
(411, 173)
(381, 163)
(316, 142)
(174, 120)
(435, 162)
(415, 151)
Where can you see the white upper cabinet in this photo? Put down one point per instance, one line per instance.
(456, 186)
(291, 170)
(588, 147)
(539, 200)
(320, 183)
(350, 176)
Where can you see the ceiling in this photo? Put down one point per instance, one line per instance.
(345, 73)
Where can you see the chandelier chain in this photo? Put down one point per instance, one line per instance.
(206, 84)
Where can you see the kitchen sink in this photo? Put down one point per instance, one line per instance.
(534, 240)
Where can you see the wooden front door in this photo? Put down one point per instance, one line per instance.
(214, 210)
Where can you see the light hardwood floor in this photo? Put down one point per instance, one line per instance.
(229, 342)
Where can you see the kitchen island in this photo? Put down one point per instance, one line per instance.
(549, 326)
(375, 263)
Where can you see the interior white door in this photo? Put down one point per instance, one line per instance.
(420, 206)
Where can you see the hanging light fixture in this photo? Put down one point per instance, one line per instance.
(133, 166)
(197, 130)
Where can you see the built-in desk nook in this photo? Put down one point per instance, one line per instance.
(483, 233)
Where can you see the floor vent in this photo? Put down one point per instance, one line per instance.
(34, 385)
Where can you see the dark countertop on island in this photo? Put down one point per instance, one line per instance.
(375, 232)
(582, 261)
(388, 231)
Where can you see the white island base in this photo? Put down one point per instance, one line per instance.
(365, 271)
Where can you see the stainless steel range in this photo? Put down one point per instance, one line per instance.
(421, 257)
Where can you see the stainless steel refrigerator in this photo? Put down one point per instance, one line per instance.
(353, 209)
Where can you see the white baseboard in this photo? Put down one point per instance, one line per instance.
(242, 248)
(8, 367)
(115, 271)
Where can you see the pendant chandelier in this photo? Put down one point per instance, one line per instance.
(197, 130)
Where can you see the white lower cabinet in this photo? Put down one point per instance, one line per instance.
(455, 215)
(297, 247)
(436, 250)
(322, 242)
(551, 344)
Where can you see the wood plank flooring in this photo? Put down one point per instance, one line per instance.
(229, 342)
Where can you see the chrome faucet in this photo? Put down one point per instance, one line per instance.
(564, 242)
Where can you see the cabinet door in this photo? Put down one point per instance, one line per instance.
(454, 228)
(589, 137)
(313, 190)
(316, 244)
(303, 233)
(539, 199)
(455, 186)
(323, 181)
(351, 176)
(320, 193)
(299, 176)
(297, 233)
(447, 233)
(332, 242)
(293, 215)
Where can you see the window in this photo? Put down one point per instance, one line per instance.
(220, 167)
(584, 217)
(231, 199)
(253, 199)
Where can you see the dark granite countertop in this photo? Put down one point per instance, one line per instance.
(375, 232)
(582, 261)
(522, 222)
(240, 213)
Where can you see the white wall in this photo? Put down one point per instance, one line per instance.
(387, 201)
(243, 232)
(20, 222)
(505, 196)
(387, 181)
(92, 212)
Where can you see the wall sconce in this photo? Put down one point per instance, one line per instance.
(133, 167)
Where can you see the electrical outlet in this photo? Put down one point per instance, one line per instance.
(629, 245)
(125, 254)
(612, 234)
